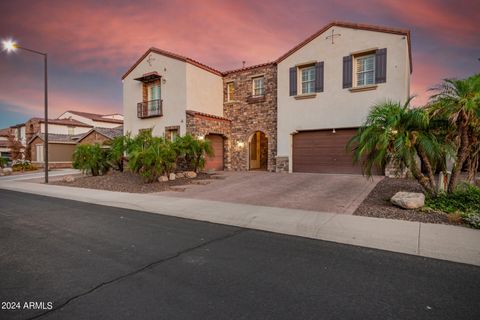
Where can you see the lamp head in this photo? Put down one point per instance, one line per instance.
(9, 45)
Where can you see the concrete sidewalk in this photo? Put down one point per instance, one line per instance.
(445, 242)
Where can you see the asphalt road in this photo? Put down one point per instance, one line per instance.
(97, 262)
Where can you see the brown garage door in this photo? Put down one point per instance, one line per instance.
(216, 161)
(323, 151)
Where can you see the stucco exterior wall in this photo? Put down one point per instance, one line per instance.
(62, 129)
(336, 107)
(204, 91)
(57, 152)
(91, 122)
(173, 93)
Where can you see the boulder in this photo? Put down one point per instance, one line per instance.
(171, 176)
(7, 171)
(408, 200)
(179, 175)
(163, 179)
(68, 179)
(190, 174)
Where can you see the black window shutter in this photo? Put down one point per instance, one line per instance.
(347, 72)
(293, 81)
(319, 76)
(381, 65)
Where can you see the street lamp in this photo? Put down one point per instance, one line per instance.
(10, 46)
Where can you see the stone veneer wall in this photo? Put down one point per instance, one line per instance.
(249, 115)
(32, 127)
(199, 124)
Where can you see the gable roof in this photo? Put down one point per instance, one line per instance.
(109, 133)
(343, 24)
(173, 56)
(58, 138)
(65, 122)
(95, 116)
(351, 25)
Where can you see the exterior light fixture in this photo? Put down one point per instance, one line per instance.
(201, 137)
(333, 131)
(240, 144)
(9, 45)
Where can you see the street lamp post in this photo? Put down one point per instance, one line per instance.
(10, 45)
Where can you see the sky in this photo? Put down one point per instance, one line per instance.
(91, 44)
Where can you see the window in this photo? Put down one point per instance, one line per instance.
(154, 95)
(171, 134)
(230, 91)
(71, 130)
(258, 86)
(308, 79)
(365, 70)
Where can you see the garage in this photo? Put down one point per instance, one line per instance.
(323, 151)
(216, 161)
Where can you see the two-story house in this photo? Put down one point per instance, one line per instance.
(294, 114)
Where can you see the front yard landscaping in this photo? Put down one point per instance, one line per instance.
(130, 182)
(459, 208)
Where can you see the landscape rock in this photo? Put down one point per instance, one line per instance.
(179, 175)
(171, 176)
(163, 179)
(7, 171)
(408, 200)
(190, 174)
(68, 179)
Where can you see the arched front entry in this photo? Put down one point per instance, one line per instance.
(258, 151)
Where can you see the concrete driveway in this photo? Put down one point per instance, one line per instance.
(339, 193)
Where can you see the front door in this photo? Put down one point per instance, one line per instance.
(257, 150)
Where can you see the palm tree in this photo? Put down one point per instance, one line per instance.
(398, 133)
(459, 102)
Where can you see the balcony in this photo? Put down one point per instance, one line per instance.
(149, 109)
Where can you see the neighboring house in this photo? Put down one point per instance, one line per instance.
(60, 149)
(5, 133)
(94, 119)
(62, 146)
(294, 114)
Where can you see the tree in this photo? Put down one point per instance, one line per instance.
(459, 102)
(398, 133)
(15, 147)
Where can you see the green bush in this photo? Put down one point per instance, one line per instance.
(193, 151)
(465, 199)
(91, 158)
(116, 152)
(151, 156)
(3, 162)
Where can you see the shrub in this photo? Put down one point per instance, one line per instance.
(193, 151)
(23, 165)
(116, 152)
(151, 156)
(3, 162)
(91, 158)
(465, 200)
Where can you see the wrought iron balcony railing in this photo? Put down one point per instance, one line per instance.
(149, 109)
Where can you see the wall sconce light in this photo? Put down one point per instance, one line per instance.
(201, 137)
(164, 80)
(333, 131)
(240, 144)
